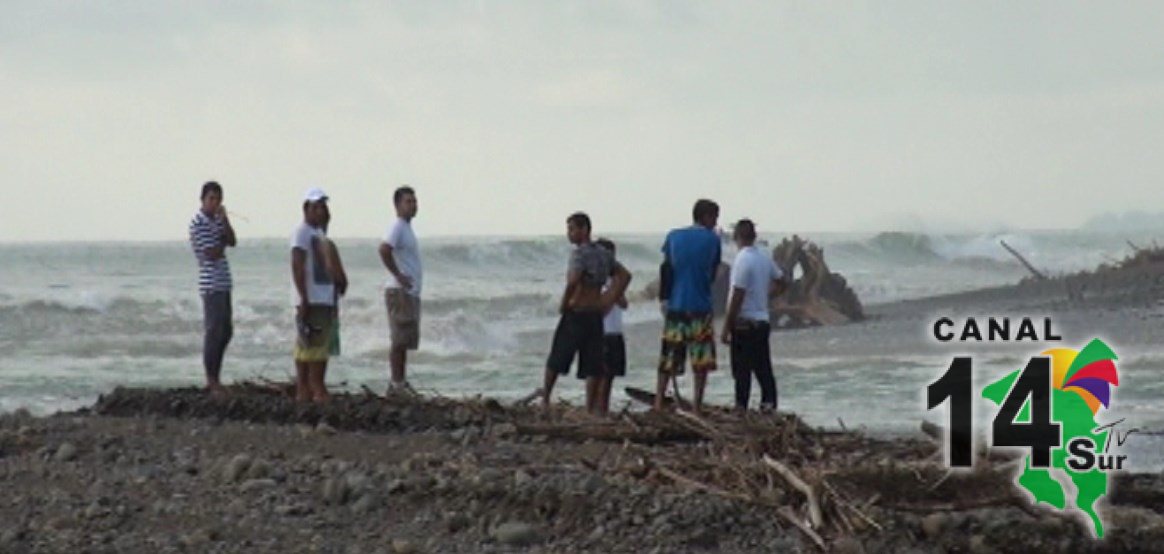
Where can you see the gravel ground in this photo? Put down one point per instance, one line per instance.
(85, 482)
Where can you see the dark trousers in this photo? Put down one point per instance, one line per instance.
(752, 356)
(216, 320)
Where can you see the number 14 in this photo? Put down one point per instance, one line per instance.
(1039, 434)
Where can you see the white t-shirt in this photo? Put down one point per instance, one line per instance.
(406, 253)
(754, 272)
(320, 288)
(612, 322)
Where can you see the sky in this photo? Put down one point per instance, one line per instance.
(508, 116)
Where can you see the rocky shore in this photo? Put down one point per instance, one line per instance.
(178, 471)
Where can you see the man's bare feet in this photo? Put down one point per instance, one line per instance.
(216, 390)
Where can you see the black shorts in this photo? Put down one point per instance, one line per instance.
(749, 349)
(614, 355)
(578, 333)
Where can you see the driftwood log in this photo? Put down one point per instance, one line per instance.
(819, 296)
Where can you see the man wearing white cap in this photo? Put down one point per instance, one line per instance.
(314, 291)
(400, 254)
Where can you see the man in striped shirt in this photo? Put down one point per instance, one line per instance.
(210, 234)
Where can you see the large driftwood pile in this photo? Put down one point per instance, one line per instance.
(818, 296)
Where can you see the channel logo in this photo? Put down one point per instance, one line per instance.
(1050, 408)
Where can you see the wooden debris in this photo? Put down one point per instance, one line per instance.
(797, 483)
(692, 483)
(790, 516)
(1038, 274)
(819, 296)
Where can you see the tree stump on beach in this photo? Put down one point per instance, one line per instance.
(819, 296)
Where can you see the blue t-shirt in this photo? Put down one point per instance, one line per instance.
(694, 253)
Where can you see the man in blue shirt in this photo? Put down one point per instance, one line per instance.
(691, 256)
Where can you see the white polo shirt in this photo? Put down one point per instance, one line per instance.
(754, 272)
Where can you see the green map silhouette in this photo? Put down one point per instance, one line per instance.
(1076, 420)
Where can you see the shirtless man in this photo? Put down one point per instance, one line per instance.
(583, 306)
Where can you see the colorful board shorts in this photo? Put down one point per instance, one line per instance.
(313, 341)
(687, 336)
(403, 318)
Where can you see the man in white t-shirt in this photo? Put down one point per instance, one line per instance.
(400, 253)
(314, 296)
(755, 278)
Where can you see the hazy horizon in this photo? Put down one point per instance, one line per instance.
(507, 117)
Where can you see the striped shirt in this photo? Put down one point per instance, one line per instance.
(209, 232)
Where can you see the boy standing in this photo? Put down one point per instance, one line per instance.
(613, 344)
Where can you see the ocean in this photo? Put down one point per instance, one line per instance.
(77, 319)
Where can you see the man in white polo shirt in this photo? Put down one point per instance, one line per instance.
(755, 278)
(400, 253)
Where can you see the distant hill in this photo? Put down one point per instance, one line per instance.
(1127, 221)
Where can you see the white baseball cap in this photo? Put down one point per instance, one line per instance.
(315, 194)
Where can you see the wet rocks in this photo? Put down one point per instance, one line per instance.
(334, 491)
(66, 452)
(324, 429)
(933, 525)
(404, 546)
(260, 469)
(236, 468)
(367, 502)
(978, 545)
(515, 533)
(457, 522)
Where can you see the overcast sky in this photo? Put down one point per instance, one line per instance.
(506, 116)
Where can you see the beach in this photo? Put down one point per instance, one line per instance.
(282, 277)
(118, 453)
(150, 470)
